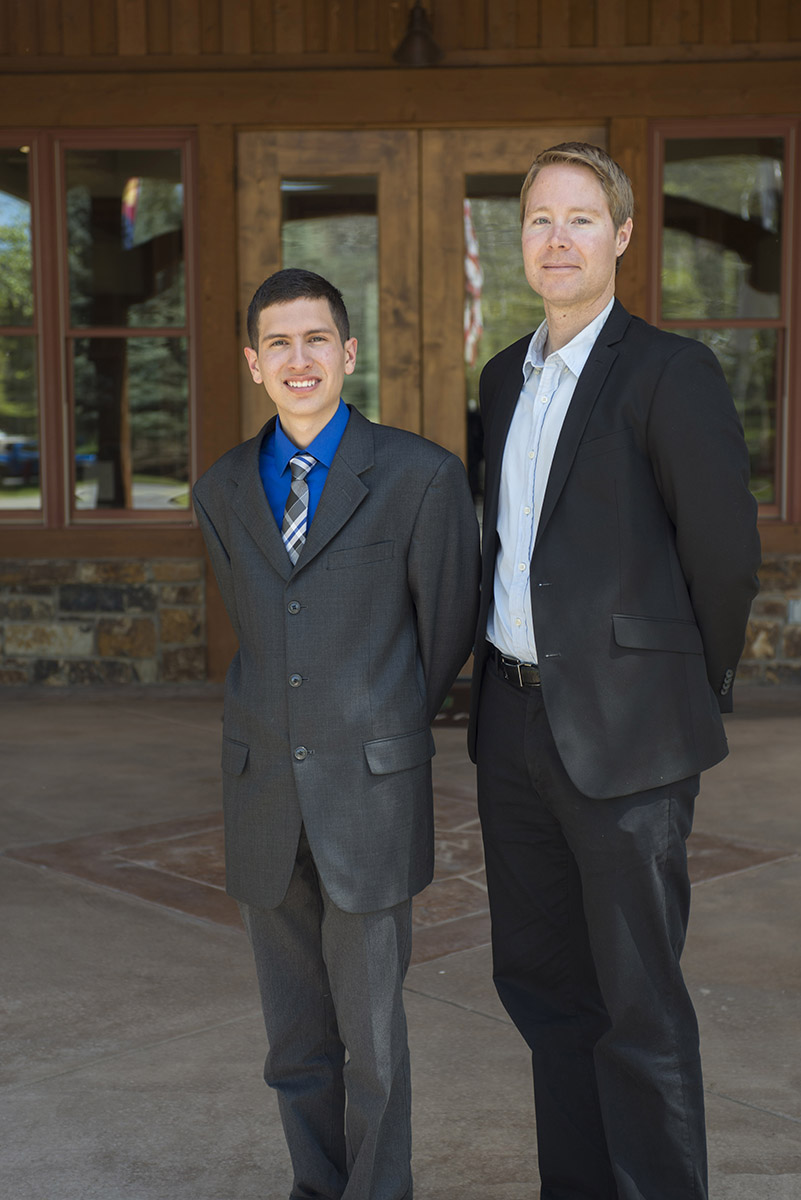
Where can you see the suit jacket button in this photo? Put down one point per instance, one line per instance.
(300, 753)
(293, 607)
(295, 680)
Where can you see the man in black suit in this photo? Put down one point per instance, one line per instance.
(620, 551)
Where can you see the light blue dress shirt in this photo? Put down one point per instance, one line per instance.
(548, 387)
(276, 451)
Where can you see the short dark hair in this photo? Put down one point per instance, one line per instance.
(293, 283)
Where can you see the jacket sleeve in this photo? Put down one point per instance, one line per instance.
(443, 577)
(220, 560)
(700, 461)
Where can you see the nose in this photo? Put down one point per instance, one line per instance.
(299, 354)
(558, 235)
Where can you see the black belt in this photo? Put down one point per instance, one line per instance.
(521, 674)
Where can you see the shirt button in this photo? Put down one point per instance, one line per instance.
(527, 511)
(300, 753)
(521, 566)
(293, 607)
(531, 453)
(518, 621)
(295, 680)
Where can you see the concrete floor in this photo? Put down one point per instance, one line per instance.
(132, 1037)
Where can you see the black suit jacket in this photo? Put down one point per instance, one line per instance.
(644, 565)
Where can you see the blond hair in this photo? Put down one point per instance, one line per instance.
(612, 178)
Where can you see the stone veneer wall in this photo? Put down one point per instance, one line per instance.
(104, 621)
(773, 645)
(144, 621)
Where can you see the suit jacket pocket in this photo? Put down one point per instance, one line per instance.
(359, 556)
(234, 756)
(657, 633)
(399, 753)
(605, 445)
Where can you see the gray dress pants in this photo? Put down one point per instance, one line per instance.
(331, 992)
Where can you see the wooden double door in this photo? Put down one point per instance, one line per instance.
(420, 231)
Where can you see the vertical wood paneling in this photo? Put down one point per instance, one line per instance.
(288, 27)
(458, 24)
(263, 28)
(716, 24)
(219, 350)
(666, 23)
(315, 29)
(259, 251)
(554, 25)
(582, 23)
(49, 24)
(76, 26)
(236, 31)
(638, 23)
(501, 24)
(628, 145)
(104, 27)
(131, 27)
(341, 26)
(210, 32)
(366, 26)
(159, 40)
(392, 20)
(774, 19)
(23, 32)
(611, 23)
(794, 23)
(528, 23)
(745, 20)
(690, 32)
(185, 26)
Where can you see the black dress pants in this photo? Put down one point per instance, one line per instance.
(589, 902)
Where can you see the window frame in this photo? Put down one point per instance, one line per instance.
(54, 333)
(787, 506)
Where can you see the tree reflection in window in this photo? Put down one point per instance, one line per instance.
(722, 273)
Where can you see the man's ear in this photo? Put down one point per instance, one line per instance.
(624, 235)
(253, 363)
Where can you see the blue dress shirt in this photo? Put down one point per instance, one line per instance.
(276, 451)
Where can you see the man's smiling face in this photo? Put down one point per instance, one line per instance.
(301, 362)
(570, 244)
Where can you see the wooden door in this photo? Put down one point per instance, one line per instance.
(454, 162)
(378, 164)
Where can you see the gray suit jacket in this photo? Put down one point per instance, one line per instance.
(343, 662)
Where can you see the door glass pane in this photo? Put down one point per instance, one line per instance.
(19, 425)
(721, 247)
(499, 305)
(16, 290)
(131, 429)
(125, 224)
(330, 225)
(748, 358)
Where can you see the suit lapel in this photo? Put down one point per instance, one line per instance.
(588, 388)
(344, 490)
(250, 504)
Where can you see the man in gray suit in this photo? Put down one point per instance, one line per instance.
(347, 557)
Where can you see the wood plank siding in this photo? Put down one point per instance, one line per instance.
(59, 34)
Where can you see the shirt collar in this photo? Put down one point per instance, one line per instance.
(324, 446)
(574, 355)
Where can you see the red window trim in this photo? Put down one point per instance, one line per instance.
(53, 332)
(787, 509)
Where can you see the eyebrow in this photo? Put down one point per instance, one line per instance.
(306, 333)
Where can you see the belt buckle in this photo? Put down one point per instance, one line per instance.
(512, 663)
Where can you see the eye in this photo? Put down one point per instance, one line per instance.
(276, 343)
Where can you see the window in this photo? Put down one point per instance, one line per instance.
(96, 368)
(724, 275)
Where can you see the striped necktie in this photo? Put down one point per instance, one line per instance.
(296, 513)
